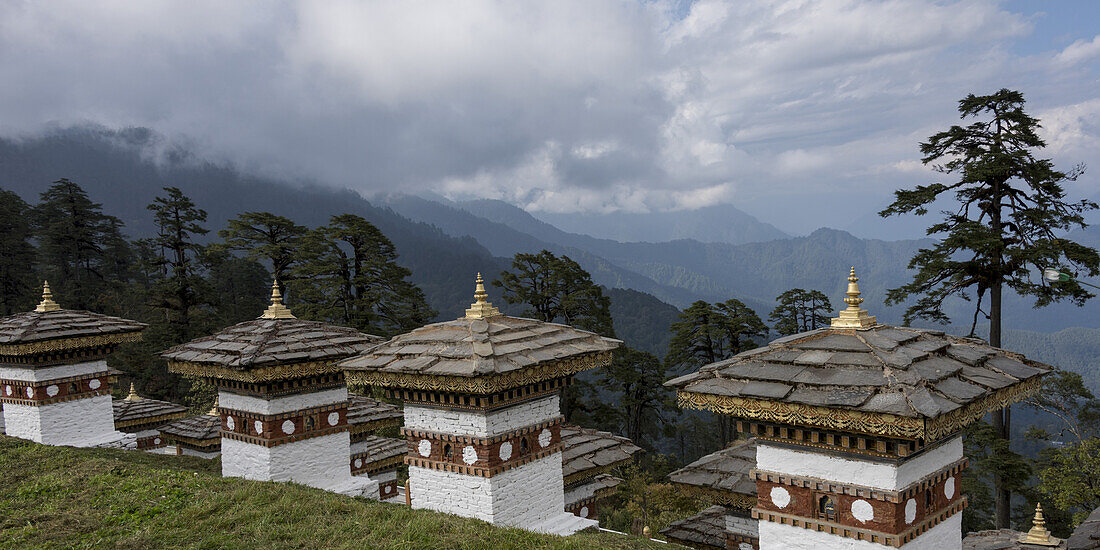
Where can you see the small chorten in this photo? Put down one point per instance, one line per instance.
(54, 380)
(47, 303)
(854, 316)
(277, 310)
(481, 308)
(143, 417)
(1039, 535)
(213, 410)
(133, 396)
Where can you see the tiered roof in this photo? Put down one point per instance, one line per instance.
(378, 453)
(201, 431)
(705, 530)
(483, 352)
(136, 412)
(1087, 535)
(275, 346)
(49, 329)
(723, 477)
(366, 415)
(586, 453)
(875, 379)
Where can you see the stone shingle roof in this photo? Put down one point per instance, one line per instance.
(587, 452)
(270, 342)
(365, 414)
(378, 453)
(496, 346)
(63, 324)
(903, 372)
(707, 529)
(1087, 535)
(145, 411)
(203, 427)
(596, 487)
(723, 475)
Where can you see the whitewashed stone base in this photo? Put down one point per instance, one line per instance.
(482, 424)
(184, 451)
(318, 462)
(776, 536)
(530, 496)
(87, 422)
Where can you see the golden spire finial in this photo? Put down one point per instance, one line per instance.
(481, 308)
(47, 303)
(214, 410)
(1038, 535)
(277, 310)
(853, 316)
(133, 394)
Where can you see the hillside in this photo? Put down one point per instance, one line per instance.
(720, 223)
(58, 497)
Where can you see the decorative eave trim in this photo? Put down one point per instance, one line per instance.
(728, 499)
(483, 384)
(151, 421)
(62, 344)
(262, 374)
(847, 420)
(391, 463)
(202, 443)
(592, 472)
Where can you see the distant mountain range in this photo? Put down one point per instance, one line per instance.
(721, 223)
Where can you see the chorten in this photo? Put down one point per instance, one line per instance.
(143, 418)
(283, 402)
(725, 479)
(858, 428)
(195, 435)
(588, 456)
(54, 379)
(482, 412)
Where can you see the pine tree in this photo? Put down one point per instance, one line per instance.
(17, 280)
(557, 289)
(800, 310)
(1010, 223)
(642, 401)
(743, 327)
(696, 338)
(263, 236)
(348, 274)
(79, 247)
(179, 289)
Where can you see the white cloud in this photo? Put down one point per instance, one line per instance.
(563, 106)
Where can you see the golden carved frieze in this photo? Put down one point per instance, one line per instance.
(67, 344)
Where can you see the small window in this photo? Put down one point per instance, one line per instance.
(448, 452)
(928, 499)
(310, 422)
(826, 508)
(523, 446)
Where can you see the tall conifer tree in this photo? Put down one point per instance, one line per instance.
(17, 255)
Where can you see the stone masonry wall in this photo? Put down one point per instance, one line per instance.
(482, 424)
(80, 423)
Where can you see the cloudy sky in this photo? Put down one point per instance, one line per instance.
(803, 113)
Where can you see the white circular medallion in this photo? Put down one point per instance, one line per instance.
(52, 390)
(862, 510)
(386, 489)
(7, 389)
(359, 463)
(584, 511)
(229, 423)
(910, 511)
(780, 497)
(949, 487)
(156, 441)
(469, 454)
(259, 427)
(545, 437)
(94, 383)
(505, 450)
(288, 427)
(333, 418)
(30, 391)
(425, 447)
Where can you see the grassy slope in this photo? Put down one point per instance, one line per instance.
(58, 497)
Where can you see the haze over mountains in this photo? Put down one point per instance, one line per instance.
(445, 243)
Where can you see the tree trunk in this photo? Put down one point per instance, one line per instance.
(1002, 498)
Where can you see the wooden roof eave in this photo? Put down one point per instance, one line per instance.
(62, 344)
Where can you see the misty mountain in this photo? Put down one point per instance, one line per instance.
(720, 223)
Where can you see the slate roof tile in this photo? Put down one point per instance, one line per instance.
(38, 326)
(707, 529)
(586, 449)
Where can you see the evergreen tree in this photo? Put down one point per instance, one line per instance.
(557, 289)
(348, 274)
(800, 310)
(79, 247)
(240, 288)
(742, 326)
(696, 338)
(17, 281)
(1009, 225)
(637, 379)
(179, 289)
(263, 236)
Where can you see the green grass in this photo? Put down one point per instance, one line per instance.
(59, 497)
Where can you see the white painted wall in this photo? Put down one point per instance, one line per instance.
(481, 424)
(776, 536)
(320, 462)
(855, 471)
(52, 373)
(87, 422)
(280, 405)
